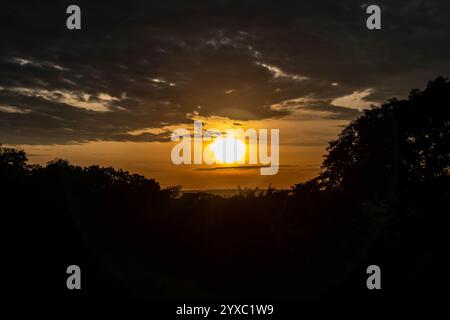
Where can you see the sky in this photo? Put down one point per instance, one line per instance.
(112, 92)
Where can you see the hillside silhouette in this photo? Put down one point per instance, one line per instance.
(381, 198)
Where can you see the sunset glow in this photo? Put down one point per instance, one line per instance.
(228, 150)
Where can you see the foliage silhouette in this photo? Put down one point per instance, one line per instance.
(404, 140)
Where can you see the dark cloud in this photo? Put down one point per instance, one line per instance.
(247, 167)
(150, 64)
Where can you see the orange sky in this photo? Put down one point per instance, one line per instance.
(302, 146)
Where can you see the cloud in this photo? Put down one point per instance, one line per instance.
(162, 81)
(100, 102)
(312, 108)
(151, 64)
(355, 100)
(12, 109)
(278, 73)
(247, 167)
(42, 64)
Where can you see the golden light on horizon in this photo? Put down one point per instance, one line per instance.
(228, 150)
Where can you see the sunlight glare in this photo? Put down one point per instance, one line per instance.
(228, 150)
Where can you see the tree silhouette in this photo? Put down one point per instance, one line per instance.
(393, 147)
(12, 160)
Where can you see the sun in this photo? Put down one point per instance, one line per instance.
(228, 150)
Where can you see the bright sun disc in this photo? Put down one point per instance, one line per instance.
(228, 150)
